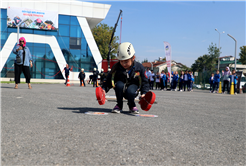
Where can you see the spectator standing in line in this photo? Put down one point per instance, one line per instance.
(152, 79)
(216, 81)
(226, 79)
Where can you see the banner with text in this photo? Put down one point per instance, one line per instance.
(168, 56)
(32, 18)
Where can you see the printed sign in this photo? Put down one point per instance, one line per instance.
(96, 113)
(32, 18)
(196, 73)
(168, 56)
(147, 115)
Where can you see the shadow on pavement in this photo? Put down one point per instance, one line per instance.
(91, 109)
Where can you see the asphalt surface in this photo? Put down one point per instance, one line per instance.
(47, 125)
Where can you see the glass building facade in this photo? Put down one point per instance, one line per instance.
(72, 43)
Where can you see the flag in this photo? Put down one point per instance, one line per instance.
(168, 56)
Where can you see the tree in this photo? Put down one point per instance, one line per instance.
(207, 62)
(145, 60)
(102, 34)
(242, 55)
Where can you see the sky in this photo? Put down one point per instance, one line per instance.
(189, 27)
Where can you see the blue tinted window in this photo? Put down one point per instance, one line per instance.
(53, 33)
(29, 45)
(40, 32)
(83, 44)
(63, 42)
(74, 20)
(75, 54)
(3, 26)
(4, 37)
(75, 31)
(26, 30)
(63, 19)
(64, 30)
(12, 30)
(39, 45)
(3, 13)
(49, 54)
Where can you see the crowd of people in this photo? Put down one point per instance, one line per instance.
(184, 81)
(227, 77)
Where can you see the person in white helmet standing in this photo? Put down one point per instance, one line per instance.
(102, 77)
(82, 77)
(128, 78)
(95, 77)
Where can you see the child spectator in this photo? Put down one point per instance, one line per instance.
(233, 77)
(157, 81)
(164, 80)
(152, 79)
(211, 82)
(181, 81)
(216, 81)
(175, 80)
(226, 79)
(162, 84)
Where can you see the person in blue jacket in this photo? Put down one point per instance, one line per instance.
(211, 82)
(216, 81)
(175, 80)
(128, 78)
(233, 78)
(22, 62)
(164, 80)
(192, 81)
(181, 81)
(189, 80)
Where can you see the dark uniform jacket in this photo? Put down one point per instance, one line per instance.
(95, 75)
(121, 75)
(81, 75)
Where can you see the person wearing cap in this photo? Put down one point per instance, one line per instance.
(95, 77)
(22, 62)
(82, 77)
(127, 78)
(102, 77)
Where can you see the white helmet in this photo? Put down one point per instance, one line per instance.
(95, 69)
(109, 69)
(82, 69)
(125, 51)
(102, 70)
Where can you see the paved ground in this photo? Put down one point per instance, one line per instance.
(47, 126)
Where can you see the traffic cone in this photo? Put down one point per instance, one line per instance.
(82, 84)
(68, 83)
(220, 89)
(232, 88)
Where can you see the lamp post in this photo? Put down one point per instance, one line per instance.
(235, 50)
(219, 48)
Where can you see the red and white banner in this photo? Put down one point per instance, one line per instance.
(168, 56)
(32, 18)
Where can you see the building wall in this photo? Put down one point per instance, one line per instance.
(72, 29)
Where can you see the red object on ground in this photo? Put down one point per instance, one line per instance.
(68, 83)
(100, 96)
(147, 101)
(105, 64)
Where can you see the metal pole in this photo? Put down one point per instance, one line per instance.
(219, 54)
(235, 50)
(219, 48)
(18, 31)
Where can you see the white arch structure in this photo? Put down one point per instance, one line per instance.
(51, 40)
